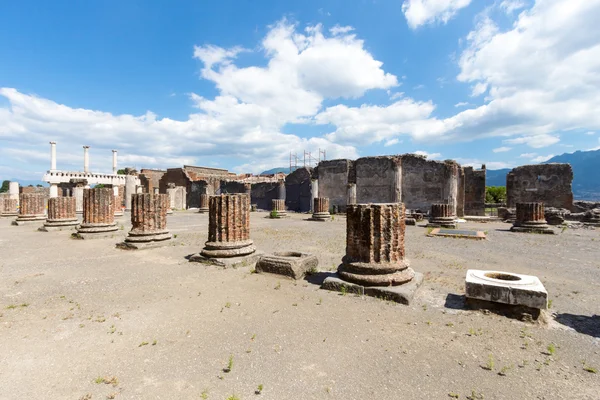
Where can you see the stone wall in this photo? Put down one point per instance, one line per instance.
(474, 191)
(377, 179)
(333, 178)
(298, 192)
(232, 187)
(550, 184)
(150, 179)
(34, 189)
(263, 194)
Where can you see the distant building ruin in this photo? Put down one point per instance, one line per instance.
(550, 184)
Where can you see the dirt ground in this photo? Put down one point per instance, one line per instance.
(80, 319)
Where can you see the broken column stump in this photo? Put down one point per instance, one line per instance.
(9, 207)
(278, 209)
(530, 218)
(62, 214)
(321, 209)
(98, 214)
(374, 263)
(229, 243)
(148, 222)
(203, 204)
(442, 215)
(32, 209)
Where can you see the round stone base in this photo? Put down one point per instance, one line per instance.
(169, 211)
(321, 217)
(228, 249)
(144, 240)
(280, 214)
(203, 210)
(95, 231)
(27, 219)
(59, 224)
(532, 227)
(376, 274)
(9, 214)
(119, 214)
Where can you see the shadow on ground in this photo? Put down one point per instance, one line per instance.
(581, 323)
(455, 302)
(318, 277)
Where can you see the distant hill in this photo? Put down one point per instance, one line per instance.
(285, 170)
(586, 173)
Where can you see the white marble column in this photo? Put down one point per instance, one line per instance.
(130, 188)
(52, 157)
(53, 190)
(114, 162)
(351, 194)
(13, 191)
(86, 159)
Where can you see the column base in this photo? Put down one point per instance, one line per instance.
(96, 231)
(280, 214)
(6, 215)
(169, 212)
(376, 274)
(28, 219)
(446, 222)
(325, 216)
(59, 224)
(140, 241)
(230, 262)
(402, 294)
(228, 249)
(203, 210)
(532, 227)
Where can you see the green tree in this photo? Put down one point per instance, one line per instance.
(5, 185)
(495, 194)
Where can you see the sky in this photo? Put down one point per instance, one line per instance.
(241, 84)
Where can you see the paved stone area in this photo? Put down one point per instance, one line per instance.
(77, 312)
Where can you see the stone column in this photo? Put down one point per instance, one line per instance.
(13, 191)
(78, 194)
(314, 190)
(229, 240)
(530, 218)
(278, 209)
(98, 214)
(281, 190)
(52, 156)
(118, 202)
(129, 190)
(203, 204)
(397, 183)
(86, 159)
(8, 207)
(442, 215)
(32, 208)
(155, 191)
(53, 190)
(375, 255)
(61, 214)
(351, 193)
(149, 222)
(114, 162)
(321, 209)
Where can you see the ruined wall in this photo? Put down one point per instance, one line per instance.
(175, 176)
(425, 182)
(263, 194)
(232, 187)
(550, 184)
(298, 193)
(474, 191)
(377, 179)
(35, 190)
(333, 178)
(150, 179)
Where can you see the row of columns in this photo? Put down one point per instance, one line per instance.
(86, 159)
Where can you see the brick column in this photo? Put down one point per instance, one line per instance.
(203, 204)
(321, 209)
(530, 218)
(375, 246)
(279, 208)
(228, 228)
(148, 221)
(8, 207)
(442, 215)
(61, 214)
(98, 214)
(32, 208)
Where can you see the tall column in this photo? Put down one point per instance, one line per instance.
(375, 246)
(13, 191)
(351, 193)
(148, 221)
(442, 215)
(52, 156)
(203, 204)
(61, 214)
(321, 209)
(278, 209)
(53, 190)
(86, 159)
(397, 184)
(281, 190)
(228, 231)
(32, 208)
(531, 218)
(78, 194)
(130, 188)
(98, 214)
(114, 164)
(314, 191)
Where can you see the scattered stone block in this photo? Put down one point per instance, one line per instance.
(458, 233)
(291, 264)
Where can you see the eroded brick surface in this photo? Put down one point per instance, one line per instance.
(229, 218)
(98, 206)
(149, 212)
(61, 208)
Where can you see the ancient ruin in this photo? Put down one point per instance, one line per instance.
(229, 243)
(442, 216)
(61, 214)
(321, 209)
(550, 184)
(530, 218)
(290, 263)
(203, 204)
(278, 209)
(32, 209)
(8, 207)
(98, 214)
(148, 222)
(374, 263)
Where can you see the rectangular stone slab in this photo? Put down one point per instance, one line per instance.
(290, 264)
(459, 233)
(527, 291)
(232, 262)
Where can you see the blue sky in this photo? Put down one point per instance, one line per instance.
(239, 84)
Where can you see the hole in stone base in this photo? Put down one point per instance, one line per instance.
(502, 277)
(289, 254)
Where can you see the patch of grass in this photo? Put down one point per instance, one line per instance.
(228, 305)
(253, 336)
(450, 324)
(112, 329)
(229, 366)
(106, 380)
(453, 395)
(233, 396)
(504, 370)
(551, 349)
(313, 270)
(490, 363)
(259, 389)
(278, 286)
(475, 396)
(204, 394)
(143, 344)
(320, 301)
(589, 368)
(13, 306)
(473, 332)
(175, 236)
(343, 290)
(550, 303)
(429, 230)
(154, 342)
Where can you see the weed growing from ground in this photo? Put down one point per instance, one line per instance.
(229, 366)
(490, 363)
(259, 389)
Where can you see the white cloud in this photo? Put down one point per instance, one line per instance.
(501, 149)
(462, 104)
(391, 142)
(476, 163)
(510, 6)
(590, 133)
(535, 141)
(336, 30)
(528, 155)
(541, 159)
(422, 12)
(431, 156)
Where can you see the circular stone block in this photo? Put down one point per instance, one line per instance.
(228, 249)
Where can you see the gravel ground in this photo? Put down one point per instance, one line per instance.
(84, 320)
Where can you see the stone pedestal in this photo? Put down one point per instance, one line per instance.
(530, 218)
(98, 214)
(149, 222)
(278, 208)
(442, 215)
(8, 207)
(61, 214)
(321, 209)
(374, 263)
(229, 243)
(32, 209)
(203, 204)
